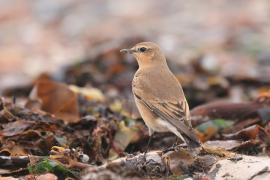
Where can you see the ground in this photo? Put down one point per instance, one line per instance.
(66, 108)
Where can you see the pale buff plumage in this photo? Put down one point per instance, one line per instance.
(158, 94)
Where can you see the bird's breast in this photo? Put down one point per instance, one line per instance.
(136, 79)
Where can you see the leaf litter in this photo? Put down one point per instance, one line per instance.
(78, 126)
(75, 128)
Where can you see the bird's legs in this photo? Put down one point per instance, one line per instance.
(175, 145)
(175, 142)
(151, 132)
(171, 148)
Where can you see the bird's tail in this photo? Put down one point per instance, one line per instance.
(191, 140)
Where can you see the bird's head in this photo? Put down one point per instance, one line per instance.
(146, 53)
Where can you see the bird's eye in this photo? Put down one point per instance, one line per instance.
(142, 49)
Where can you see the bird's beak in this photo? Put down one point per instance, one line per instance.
(130, 51)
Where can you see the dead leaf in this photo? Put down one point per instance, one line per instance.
(89, 93)
(15, 128)
(263, 98)
(258, 108)
(245, 147)
(210, 128)
(244, 134)
(226, 110)
(264, 135)
(227, 145)
(216, 150)
(243, 124)
(123, 137)
(180, 161)
(11, 148)
(56, 98)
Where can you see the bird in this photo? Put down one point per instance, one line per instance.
(159, 96)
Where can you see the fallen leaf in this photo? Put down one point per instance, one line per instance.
(50, 166)
(258, 108)
(264, 135)
(244, 134)
(211, 128)
(226, 110)
(15, 128)
(244, 147)
(11, 148)
(89, 93)
(227, 144)
(56, 98)
(123, 137)
(263, 98)
(179, 161)
(243, 124)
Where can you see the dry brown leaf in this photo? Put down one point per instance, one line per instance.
(244, 134)
(210, 132)
(263, 98)
(123, 137)
(264, 135)
(217, 149)
(226, 145)
(232, 145)
(11, 148)
(15, 128)
(179, 161)
(230, 110)
(56, 98)
(226, 110)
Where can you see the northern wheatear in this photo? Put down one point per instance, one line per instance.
(159, 95)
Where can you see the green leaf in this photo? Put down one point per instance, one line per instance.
(215, 124)
(47, 165)
(221, 123)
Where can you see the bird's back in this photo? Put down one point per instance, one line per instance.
(157, 83)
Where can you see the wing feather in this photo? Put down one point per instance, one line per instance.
(172, 112)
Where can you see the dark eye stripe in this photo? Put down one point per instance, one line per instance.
(142, 49)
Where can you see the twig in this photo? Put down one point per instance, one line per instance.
(264, 170)
(16, 161)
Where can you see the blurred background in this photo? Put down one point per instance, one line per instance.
(220, 42)
(218, 50)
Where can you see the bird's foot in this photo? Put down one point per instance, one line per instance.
(144, 155)
(174, 147)
(148, 144)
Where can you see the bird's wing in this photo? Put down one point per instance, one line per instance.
(176, 113)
